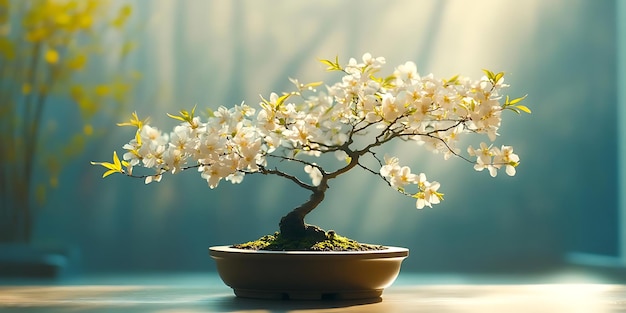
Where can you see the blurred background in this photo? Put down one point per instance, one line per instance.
(160, 56)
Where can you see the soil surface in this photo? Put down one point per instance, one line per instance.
(316, 240)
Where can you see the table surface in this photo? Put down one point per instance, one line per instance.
(204, 292)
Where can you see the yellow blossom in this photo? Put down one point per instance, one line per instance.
(51, 56)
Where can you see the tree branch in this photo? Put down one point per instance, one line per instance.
(294, 179)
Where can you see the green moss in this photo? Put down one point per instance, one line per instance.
(332, 242)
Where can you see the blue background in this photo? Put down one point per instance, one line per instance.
(562, 53)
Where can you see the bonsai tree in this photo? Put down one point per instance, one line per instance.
(45, 47)
(352, 121)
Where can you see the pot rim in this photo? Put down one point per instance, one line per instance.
(391, 251)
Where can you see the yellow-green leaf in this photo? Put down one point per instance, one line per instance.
(313, 84)
(184, 116)
(138, 138)
(490, 74)
(332, 66)
(452, 80)
(498, 76)
(439, 195)
(517, 100)
(104, 164)
(327, 62)
(116, 161)
(379, 80)
(523, 108)
(513, 109)
(109, 172)
(115, 167)
(134, 121)
(282, 99)
(176, 117)
(210, 113)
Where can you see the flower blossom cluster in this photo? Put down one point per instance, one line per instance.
(351, 119)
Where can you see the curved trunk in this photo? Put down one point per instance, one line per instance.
(293, 226)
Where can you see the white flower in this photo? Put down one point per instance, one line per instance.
(374, 63)
(251, 155)
(132, 156)
(421, 181)
(341, 155)
(484, 156)
(403, 177)
(391, 109)
(223, 115)
(181, 138)
(505, 156)
(214, 173)
(151, 155)
(155, 178)
(390, 168)
(406, 72)
(428, 194)
(152, 135)
(235, 178)
(487, 118)
(174, 158)
(314, 173)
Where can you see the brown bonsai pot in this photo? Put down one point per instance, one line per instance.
(308, 274)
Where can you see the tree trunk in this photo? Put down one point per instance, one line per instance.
(292, 225)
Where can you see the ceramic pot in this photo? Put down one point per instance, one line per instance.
(308, 274)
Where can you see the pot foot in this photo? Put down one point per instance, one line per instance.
(259, 294)
(354, 295)
(308, 295)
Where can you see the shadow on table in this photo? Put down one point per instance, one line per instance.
(232, 303)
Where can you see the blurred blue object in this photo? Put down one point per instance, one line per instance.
(26, 260)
